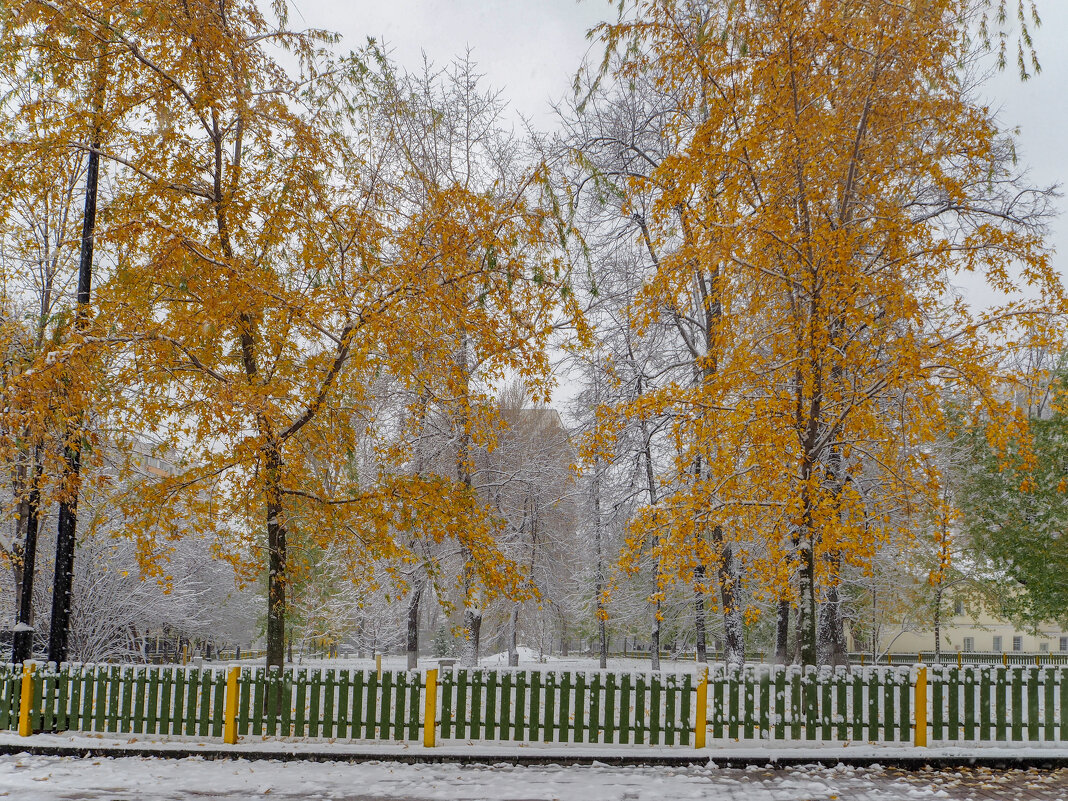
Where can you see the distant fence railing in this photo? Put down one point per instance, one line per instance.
(961, 658)
(758, 703)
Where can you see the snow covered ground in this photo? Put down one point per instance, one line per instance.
(46, 778)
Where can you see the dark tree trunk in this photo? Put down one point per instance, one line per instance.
(22, 640)
(699, 616)
(806, 605)
(832, 646)
(654, 635)
(473, 627)
(782, 632)
(733, 637)
(66, 533)
(513, 637)
(938, 625)
(413, 626)
(276, 558)
(599, 579)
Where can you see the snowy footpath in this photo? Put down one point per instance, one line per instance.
(51, 778)
(98, 768)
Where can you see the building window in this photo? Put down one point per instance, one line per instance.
(1064, 643)
(1043, 647)
(1017, 643)
(958, 607)
(969, 644)
(997, 643)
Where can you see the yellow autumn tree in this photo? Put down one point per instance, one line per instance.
(275, 244)
(830, 175)
(60, 99)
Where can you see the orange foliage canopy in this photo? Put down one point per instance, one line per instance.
(831, 177)
(277, 245)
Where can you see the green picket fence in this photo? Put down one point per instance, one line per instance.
(759, 703)
(143, 699)
(969, 704)
(561, 707)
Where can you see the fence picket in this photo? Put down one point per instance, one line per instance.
(780, 702)
(952, 680)
(506, 706)
(343, 715)
(385, 701)
(1063, 677)
(732, 702)
(889, 721)
(610, 708)
(748, 693)
(400, 684)
(491, 706)
(684, 713)
(219, 707)
(413, 705)
(1032, 704)
(1000, 710)
(969, 703)
(371, 703)
(841, 703)
(36, 711)
(564, 724)
(670, 690)
(548, 723)
(640, 717)
(873, 704)
(476, 704)
(765, 704)
(446, 688)
(719, 681)
(460, 719)
(359, 704)
(811, 696)
(594, 720)
(795, 705)
(904, 706)
(1016, 690)
(858, 705)
(192, 686)
(48, 692)
(825, 710)
(654, 709)
(985, 727)
(1049, 688)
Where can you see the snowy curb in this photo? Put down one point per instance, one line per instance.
(535, 754)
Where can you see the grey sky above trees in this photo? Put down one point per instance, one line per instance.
(530, 49)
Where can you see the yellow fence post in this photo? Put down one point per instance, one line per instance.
(701, 724)
(921, 708)
(378, 665)
(230, 710)
(960, 661)
(430, 709)
(25, 706)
